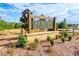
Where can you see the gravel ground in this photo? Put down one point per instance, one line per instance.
(69, 48)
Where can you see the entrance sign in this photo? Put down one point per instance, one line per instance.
(42, 23)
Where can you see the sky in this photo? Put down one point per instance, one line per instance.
(13, 11)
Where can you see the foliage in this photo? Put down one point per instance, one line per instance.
(9, 25)
(2, 22)
(48, 38)
(17, 25)
(25, 26)
(24, 19)
(52, 41)
(62, 39)
(64, 33)
(36, 43)
(70, 37)
(22, 40)
(62, 25)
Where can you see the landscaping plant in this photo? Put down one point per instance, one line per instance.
(65, 34)
(70, 37)
(62, 39)
(48, 38)
(36, 43)
(22, 40)
(52, 41)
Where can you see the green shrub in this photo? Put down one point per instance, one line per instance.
(52, 41)
(1, 28)
(48, 38)
(64, 33)
(22, 40)
(62, 39)
(70, 37)
(36, 43)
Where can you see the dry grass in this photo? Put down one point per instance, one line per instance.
(11, 48)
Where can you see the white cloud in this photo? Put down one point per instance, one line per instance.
(69, 11)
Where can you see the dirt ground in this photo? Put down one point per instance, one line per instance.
(69, 48)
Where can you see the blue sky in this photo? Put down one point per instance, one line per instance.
(12, 11)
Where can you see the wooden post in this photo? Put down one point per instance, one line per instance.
(29, 22)
(73, 29)
(54, 24)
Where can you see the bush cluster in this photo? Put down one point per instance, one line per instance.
(9, 25)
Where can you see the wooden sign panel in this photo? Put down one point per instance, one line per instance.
(42, 24)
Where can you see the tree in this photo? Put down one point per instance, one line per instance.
(9, 25)
(24, 19)
(63, 24)
(17, 25)
(2, 24)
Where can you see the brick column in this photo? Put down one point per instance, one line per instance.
(54, 24)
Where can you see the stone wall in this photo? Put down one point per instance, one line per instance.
(41, 35)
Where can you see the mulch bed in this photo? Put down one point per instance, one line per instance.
(69, 48)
